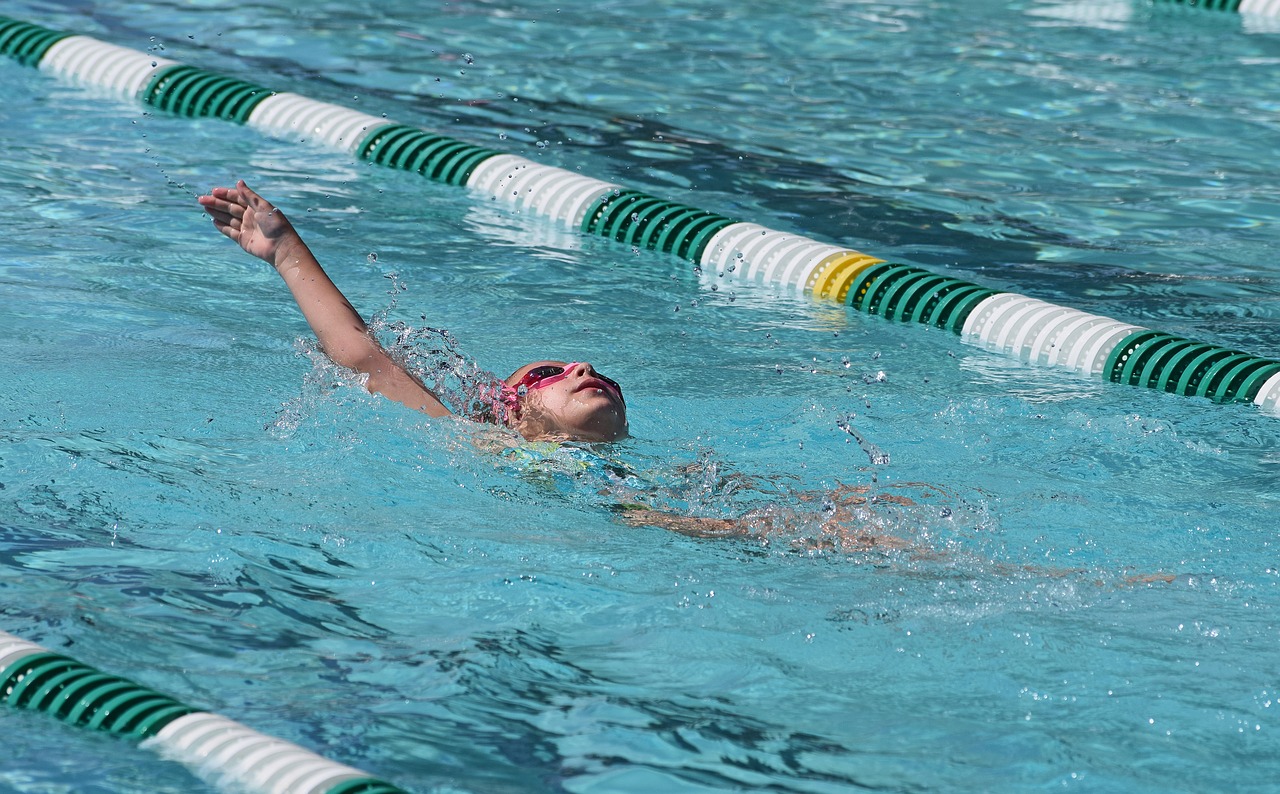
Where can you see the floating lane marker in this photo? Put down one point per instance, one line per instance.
(218, 750)
(1016, 325)
(1258, 7)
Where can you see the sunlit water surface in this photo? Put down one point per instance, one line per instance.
(191, 497)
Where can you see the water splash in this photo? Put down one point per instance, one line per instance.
(877, 456)
(434, 356)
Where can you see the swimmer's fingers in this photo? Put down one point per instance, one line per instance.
(235, 201)
(261, 214)
(229, 195)
(220, 209)
(224, 223)
(252, 200)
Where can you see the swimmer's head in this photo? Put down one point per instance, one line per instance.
(558, 401)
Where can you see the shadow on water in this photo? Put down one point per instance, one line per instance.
(527, 702)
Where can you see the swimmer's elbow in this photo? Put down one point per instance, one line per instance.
(394, 383)
(358, 352)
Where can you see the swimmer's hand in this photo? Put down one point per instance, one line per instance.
(253, 222)
(694, 526)
(262, 230)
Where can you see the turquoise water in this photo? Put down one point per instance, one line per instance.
(193, 499)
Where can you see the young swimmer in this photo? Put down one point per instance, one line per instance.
(557, 401)
(542, 401)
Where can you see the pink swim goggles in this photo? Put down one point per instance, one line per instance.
(545, 375)
(548, 374)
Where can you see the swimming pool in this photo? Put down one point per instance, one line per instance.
(191, 500)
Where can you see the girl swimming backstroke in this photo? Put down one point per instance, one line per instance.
(548, 401)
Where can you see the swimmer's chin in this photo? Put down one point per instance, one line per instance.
(582, 438)
(586, 436)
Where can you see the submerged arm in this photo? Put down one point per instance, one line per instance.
(264, 231)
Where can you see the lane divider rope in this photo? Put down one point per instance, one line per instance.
(215, 748)
(1258, 7)
(1020, 326)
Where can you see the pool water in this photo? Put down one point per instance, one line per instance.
(191, 497)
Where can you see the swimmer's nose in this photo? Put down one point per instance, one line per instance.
(584, 369)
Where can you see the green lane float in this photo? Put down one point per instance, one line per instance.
(1025, 328)
(1256, 7)
(215, 748)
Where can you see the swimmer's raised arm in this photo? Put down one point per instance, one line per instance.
(262, 230)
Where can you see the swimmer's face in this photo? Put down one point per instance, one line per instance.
(573, 404)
